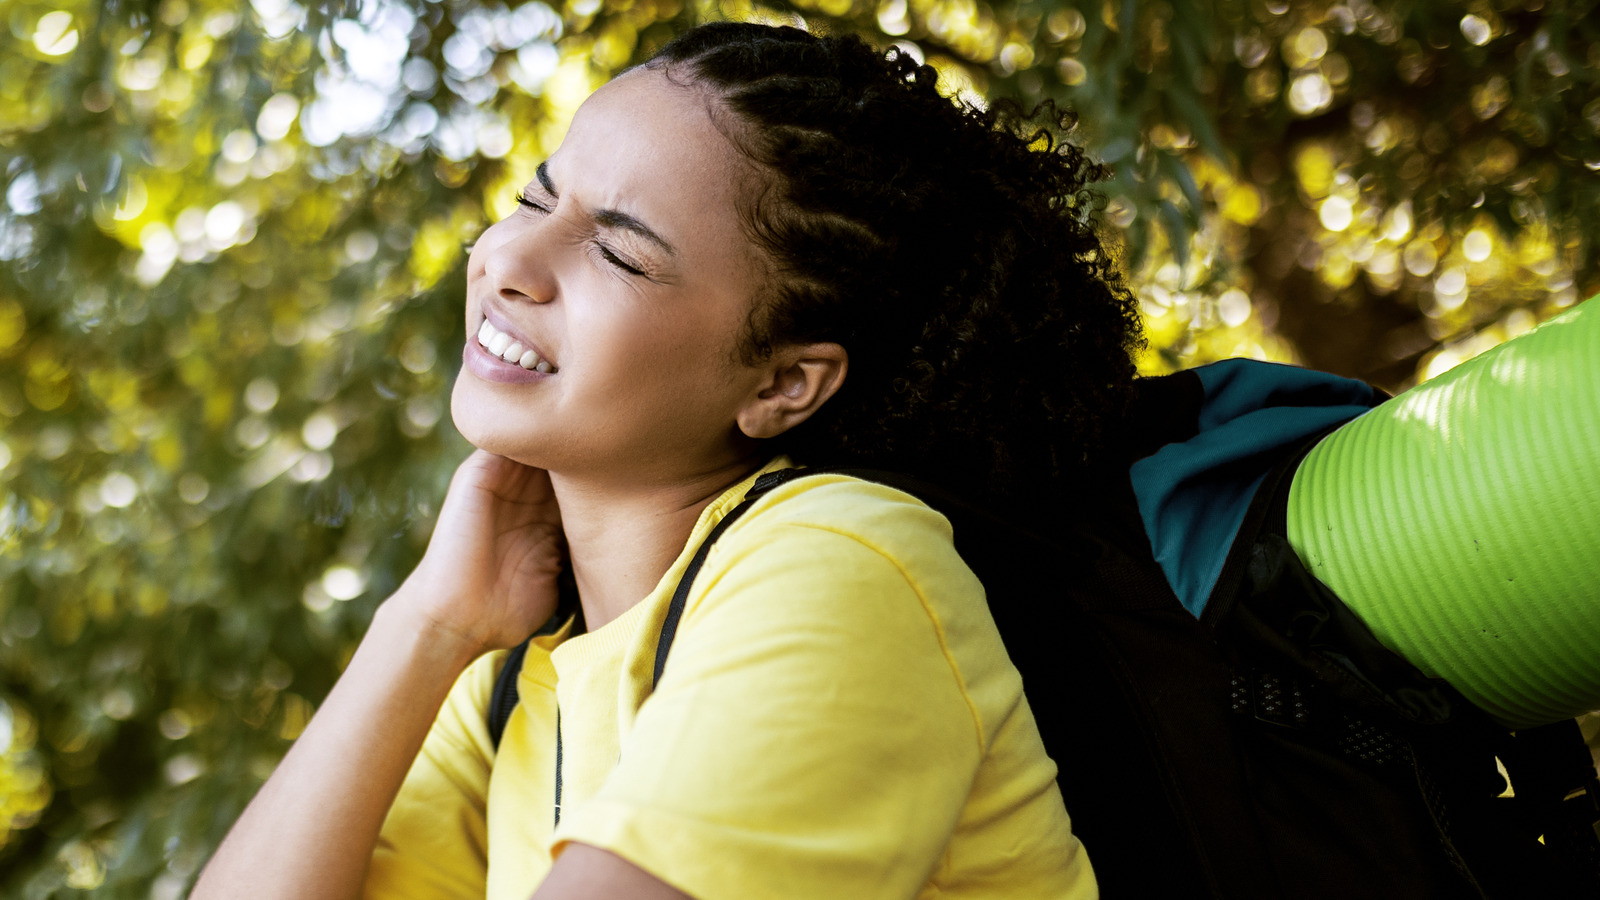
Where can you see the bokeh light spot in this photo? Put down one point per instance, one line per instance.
(319, 431)
(55, 34)
(1233, 307)
(892, 18)
(343, 582)
(277, 114)
(193, 488)
(1420, 258)
(118, 490)
(1475, 29)
(13, 323)
(175, 724)
(1310, 94)
(1336, 214)
(1477, 245)
(361, 246)
(1310, 45)
(261, 395)
(417, 354)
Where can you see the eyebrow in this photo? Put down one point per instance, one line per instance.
(609, 218)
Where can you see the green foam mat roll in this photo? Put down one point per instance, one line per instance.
(1461, 522)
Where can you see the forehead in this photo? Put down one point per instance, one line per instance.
(647, 146)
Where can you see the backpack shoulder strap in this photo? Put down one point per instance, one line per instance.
(504, 697)
(680, 596)
(940, 499)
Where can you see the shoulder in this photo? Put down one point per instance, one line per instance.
(830, 584)
(799, 527)
(868, 545)
(897, 526)
(854, 570)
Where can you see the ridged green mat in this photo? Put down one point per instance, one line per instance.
(1461, 522)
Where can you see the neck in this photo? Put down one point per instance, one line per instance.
(623, 540)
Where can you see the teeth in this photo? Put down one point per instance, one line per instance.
(501, 344)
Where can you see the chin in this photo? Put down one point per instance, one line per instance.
(486, 426)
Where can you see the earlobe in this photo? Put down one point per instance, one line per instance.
(799, 379)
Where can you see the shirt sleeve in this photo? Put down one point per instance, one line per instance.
(434, 842)
(811, 736)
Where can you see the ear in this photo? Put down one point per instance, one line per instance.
(796, 381)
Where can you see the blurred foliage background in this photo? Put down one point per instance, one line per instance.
(230, 276)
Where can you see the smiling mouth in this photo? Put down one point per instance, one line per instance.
(500, 344)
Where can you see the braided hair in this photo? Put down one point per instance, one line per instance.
(950, 250)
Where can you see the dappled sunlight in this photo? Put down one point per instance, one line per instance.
(231, 250)
(1425, 405)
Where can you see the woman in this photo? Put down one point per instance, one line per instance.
(759, 246)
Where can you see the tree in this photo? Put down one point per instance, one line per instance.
(230, 302)
(1387, 188)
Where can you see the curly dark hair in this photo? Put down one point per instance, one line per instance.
(951, 250)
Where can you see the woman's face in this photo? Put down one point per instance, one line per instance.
(626, 278)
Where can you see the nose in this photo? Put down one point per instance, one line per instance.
(518, 261)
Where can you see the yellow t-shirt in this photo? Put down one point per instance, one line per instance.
(837, 718)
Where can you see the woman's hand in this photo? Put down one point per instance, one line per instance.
(487, 580)
(490, 571)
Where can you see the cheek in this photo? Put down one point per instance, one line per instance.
(687, 355)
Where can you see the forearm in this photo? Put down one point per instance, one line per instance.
(311, 830)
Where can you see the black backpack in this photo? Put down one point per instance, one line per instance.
(1271, 748)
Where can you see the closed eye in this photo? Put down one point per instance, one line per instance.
(525, 202)
(615, 260)
(605, 253)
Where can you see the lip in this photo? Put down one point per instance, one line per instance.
(492, 368)
(477, 359)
